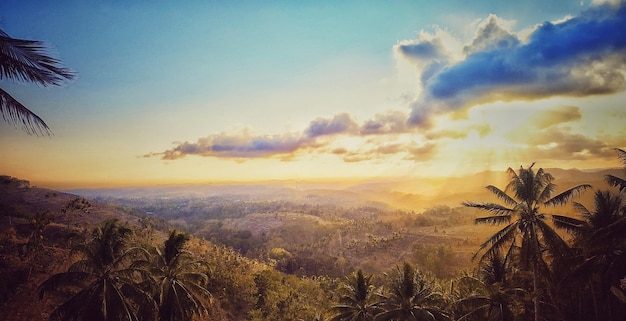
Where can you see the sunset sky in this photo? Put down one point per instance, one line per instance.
(206, 91)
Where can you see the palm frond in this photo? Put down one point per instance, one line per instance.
(580, 208)
(615, 229)
(570, 224)
(555, 244)
(481, 309)
(64, 280)
(77, 305)
(491, 207)
(13, 112)
(502, 195)
(493, 220)
(565, 196)
(147, 306)
(621, 154)
(498, 241)
(513, 181)
(615, 181)
(28, 61)
(547, 191)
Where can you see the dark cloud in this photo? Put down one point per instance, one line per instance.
(585, 55)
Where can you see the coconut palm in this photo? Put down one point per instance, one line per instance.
(601, 239)
(27, 61)
(486, 296)
(483, 302)
(412, 297)
(526, 227)
(180, 289)
(103, 285)
(357, 301)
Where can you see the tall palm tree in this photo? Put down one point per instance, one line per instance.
(357, 301)
(412, 298)
(103, 285)
(180, 289)
(526, 225)
(27, 61)
(618, 182)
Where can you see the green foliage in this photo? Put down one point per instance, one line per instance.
(104, 283)
(180, 283)
(357, 301)
(412, 296)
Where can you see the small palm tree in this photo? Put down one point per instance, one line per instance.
(27, 61)
(180, 289)
(103, 285)
(526, 227)
(412, 298)
(357, 301)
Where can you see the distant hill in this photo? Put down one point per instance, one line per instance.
(403, 193)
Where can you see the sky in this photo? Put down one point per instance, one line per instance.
(175, 92)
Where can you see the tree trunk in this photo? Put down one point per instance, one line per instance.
(535, 294)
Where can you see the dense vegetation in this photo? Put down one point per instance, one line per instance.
(539, 265)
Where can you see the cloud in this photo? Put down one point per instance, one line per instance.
(555, 116)
(241, 145)
(340, 124)
(580, 56)
(410, 151)
(561, 143)
(420, 153)
(391, 122)
(547, 135)
(244, 145)
(482, 130)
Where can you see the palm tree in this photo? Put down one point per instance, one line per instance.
(27, 61)
(526, 225)
(600, 238)
(618, 182)
(180, 289)
(357, 302)
(412, 297)
(487, 296)
(103, 285)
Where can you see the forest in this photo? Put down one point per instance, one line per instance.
(72, 260)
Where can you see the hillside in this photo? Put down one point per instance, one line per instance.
(29, 215)
(39, 227)
(325, 228)
(287, 244)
